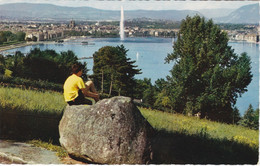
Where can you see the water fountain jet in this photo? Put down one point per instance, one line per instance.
(122, 33)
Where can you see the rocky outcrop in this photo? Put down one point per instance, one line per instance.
(112, 131)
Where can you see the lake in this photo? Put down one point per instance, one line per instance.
(149, 54)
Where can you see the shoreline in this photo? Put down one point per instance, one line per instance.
(13, 46)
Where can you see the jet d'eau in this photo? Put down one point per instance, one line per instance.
(122, 28)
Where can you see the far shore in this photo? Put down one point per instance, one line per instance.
(9, 47)
(13, 46)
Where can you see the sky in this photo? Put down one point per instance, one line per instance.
(142, 4)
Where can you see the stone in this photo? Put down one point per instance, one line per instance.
(113, 131)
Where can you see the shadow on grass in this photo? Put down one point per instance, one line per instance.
(177, 148)
(22, 126)
(168, 148)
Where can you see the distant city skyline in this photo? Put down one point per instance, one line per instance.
(141, 5)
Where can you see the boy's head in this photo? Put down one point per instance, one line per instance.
(76, 68)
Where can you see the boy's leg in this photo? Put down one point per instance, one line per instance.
(90, 86)
(80, 100)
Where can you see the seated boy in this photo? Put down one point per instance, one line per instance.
(75, 90)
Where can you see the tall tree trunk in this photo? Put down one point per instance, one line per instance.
(102, 82)
(111, 85)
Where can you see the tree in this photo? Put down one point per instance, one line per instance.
(2, 64)
(141, 86)
(113, 71)
(46, 65)
(3, 37)
(17, 63)
(256, 119)
(235, 116)
(20, 36)
(207, 75)
(250, 118)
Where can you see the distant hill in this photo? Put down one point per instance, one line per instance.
(48, 12)
(215, 13)
(248, 14)
(29, 11)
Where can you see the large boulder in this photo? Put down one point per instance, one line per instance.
(112, 131)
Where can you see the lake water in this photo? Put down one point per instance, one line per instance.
(149, 54)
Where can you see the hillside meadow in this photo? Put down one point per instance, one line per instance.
(178, 139)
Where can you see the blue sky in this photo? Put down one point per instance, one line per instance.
(142, 4)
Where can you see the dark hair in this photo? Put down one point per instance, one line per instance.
(75, 68)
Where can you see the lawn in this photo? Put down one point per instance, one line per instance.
(178, 139)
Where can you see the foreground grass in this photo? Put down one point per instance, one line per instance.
(60, 151)
(179, 139)
(202, 127)
(189, 140)
(30, 101)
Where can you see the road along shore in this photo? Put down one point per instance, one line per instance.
(9, 47)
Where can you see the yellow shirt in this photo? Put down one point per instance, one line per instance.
(72, 86)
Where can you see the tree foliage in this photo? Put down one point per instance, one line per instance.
(7, 36)
(207, 75)
(42, 65)
(113, 71)
(250, 118)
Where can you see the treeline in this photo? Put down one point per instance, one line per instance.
(94, 34)
(8, 37)
(155, 24)
(228, 26)
(39, 85)
(46, 65)
(152, 97)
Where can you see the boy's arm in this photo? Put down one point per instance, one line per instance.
(87, 93)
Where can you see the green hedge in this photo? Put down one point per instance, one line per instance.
(29, 84)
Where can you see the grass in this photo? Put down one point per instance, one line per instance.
(179, 139)
(195, 126)
(9, 81)
(30, 101)
(60, 151)
(11, 43)
(189, 140)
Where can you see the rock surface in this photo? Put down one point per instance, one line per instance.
(112, 131)
(12, 152)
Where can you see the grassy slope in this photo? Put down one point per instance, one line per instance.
(31, 101)
(195, 126)
(178, 139)
(189, 140)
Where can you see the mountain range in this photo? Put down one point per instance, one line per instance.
(47, 12)
(248, 14)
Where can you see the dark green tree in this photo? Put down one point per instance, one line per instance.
(17, 63)
(3, 37)
(2, 64)
(141, 86)
(250, 118)
(113, 72)
(207, 75)
(45, 65)
(146, 91)
(256, 119)
(20, 36)
(235, 116)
